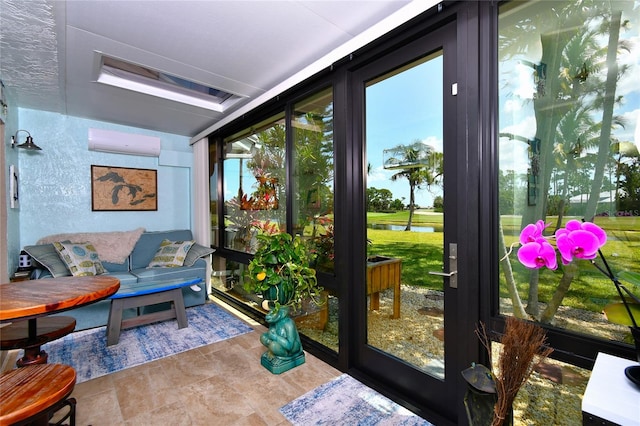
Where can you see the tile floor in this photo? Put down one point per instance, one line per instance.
(219, 384)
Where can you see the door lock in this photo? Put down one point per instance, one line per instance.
(453, 266)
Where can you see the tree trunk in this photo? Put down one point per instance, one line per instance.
(518, 309)
(412, 205)
(603, 155)
(548, 114)
(604, 146)
(533, 305)
(563, 286)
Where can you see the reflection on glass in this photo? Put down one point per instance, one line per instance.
(404, 143)
(312, 124)
(254, 182)
(569, 111)
(312, 184)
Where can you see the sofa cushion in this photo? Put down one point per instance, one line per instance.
(116, 267)
(81, 258)
(149, 242)
(198, 270)
(170, 254)
(47, 256)
(196, 252)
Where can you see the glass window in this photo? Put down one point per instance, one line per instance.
(312, 124)
(255, 197)
(312, 184)
(254, 183)
(569, 110)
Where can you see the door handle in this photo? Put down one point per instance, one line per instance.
(453, 266)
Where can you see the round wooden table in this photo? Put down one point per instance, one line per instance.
(30, 300)
(29, 394)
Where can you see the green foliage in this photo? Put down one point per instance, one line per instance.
(321, 246)
(378, 199)
(554, 204)
(397, 204)
(283, 259)
(438, 203)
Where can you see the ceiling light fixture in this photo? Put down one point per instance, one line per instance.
(28, 144)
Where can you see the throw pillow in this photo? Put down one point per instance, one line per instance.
(47, 256)
(196, 252)
(170, 254)
(81, 258)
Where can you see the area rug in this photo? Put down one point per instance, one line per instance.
(346, 401)
(86, 350)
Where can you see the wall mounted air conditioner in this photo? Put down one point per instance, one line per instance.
(123, 143)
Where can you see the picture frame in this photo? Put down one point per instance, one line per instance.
(123, 189)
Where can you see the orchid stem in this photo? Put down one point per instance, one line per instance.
(617, 283)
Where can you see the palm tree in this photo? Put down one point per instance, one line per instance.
(420, 165)
(568, 92)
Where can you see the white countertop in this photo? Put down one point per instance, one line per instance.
(609, 394)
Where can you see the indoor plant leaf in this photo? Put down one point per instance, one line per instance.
(617, 313)
(630, 277)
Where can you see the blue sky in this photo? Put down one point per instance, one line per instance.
(400, 110)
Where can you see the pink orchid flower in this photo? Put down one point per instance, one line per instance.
(532, 232)
(536, 254)
(580, 240)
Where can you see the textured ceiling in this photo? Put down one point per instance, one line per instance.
(50, 51)
(29, 53)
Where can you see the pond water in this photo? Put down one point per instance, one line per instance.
(388, 227)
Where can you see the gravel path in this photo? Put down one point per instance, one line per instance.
(550, 397)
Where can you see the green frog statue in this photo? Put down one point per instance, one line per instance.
(282, 341)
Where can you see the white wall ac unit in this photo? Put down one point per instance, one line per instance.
(123, 143)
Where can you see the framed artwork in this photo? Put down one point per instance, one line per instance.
(123, 189)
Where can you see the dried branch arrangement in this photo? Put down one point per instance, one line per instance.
(523, 348)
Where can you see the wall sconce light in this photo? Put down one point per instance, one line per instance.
(26, 145)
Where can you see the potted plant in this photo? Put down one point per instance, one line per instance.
(280, 272)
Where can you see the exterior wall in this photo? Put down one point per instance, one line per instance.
(55, 185)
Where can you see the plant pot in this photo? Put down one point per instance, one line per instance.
(282, 293)
(383, 273)
(633, 373)
(635, 333)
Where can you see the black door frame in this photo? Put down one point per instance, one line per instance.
(417, 394)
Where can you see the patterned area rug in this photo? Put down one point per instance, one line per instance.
(346, 401)
(86, 350)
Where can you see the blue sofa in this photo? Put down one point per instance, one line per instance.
(134, 270)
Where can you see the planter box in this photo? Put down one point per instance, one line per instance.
(383, 273)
